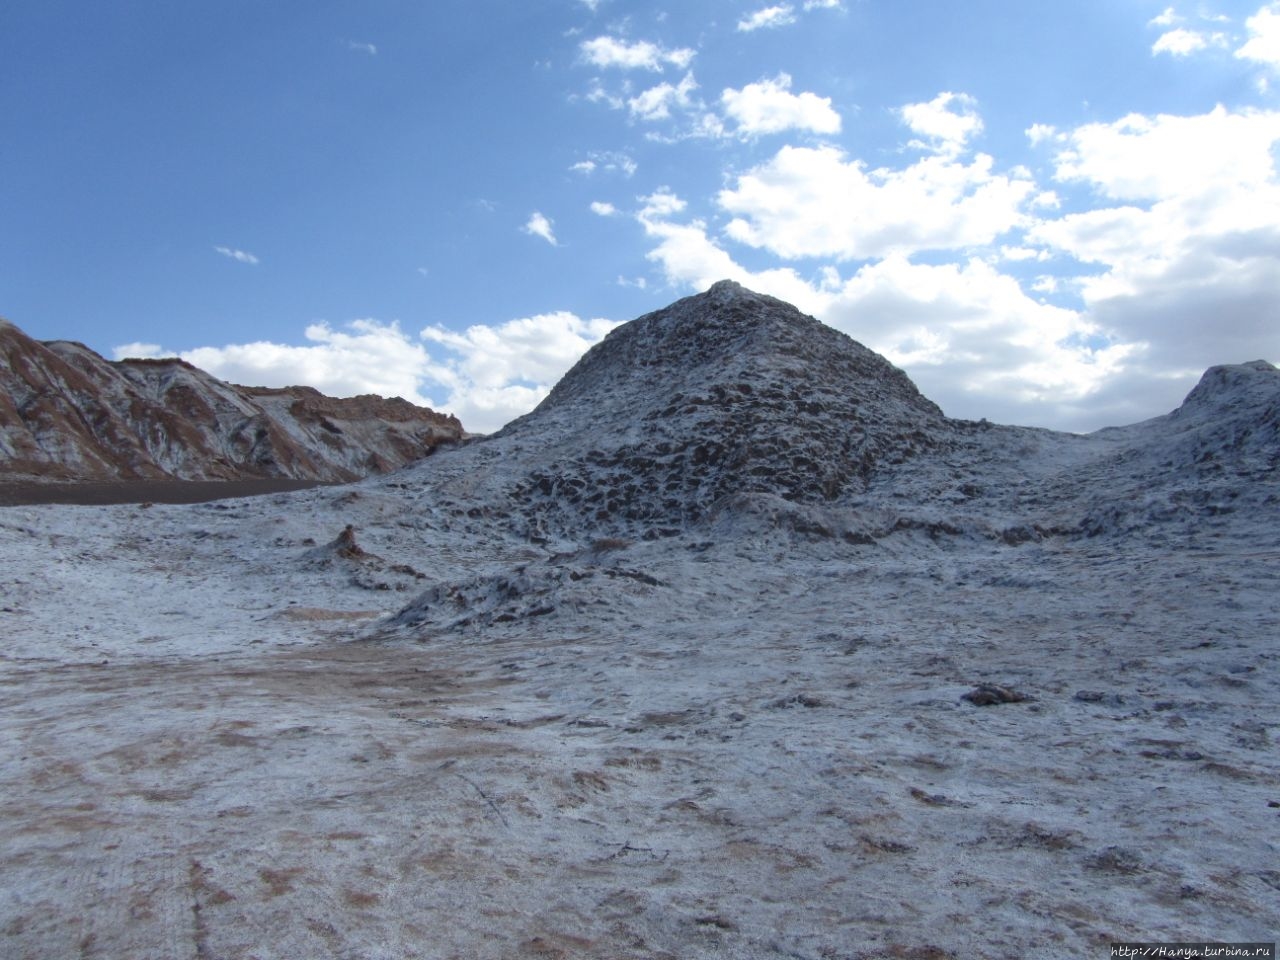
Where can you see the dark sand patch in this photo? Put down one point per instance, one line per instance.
(15, 493)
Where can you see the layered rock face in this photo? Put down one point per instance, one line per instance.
(68, 414)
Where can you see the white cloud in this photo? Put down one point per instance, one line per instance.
(689, 257)
(1263, 45)
(1019, 253)
(814, 202)
(240, 256)
(1166, 261)
(598, 94)
(1188, 257)
(769, 107)
(602, 209)
(605, 161)
(775, 16)
(608, 51)
(661, 203)
(1166, 19)
(1182, 255)
(974, 341)
(948, 121)
(1182, 43)
(138, 351)
(970, 337)
(486, 375)
(822, 4)
(1141, 157)
(657, 102)
(539, 226)
(367, 357)
(1039, 133)
(496, 373)
(368, 48)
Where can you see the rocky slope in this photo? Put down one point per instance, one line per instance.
(732, 408)
(68, 414)
(722, 398)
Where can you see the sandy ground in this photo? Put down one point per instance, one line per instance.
(214, 748)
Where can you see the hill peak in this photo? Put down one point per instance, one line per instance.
(724, 393)
(1227, 386)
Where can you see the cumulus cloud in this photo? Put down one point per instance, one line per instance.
(1187, 256)
(240, 256)
(816, 202)
(597, 93)
(602, 209)
(1180, 42)
(138, 351)
(1175, 266)
(496, 373)
(606, 52)
(365, 357)
(1141, 157)
(538, 225)
(657, 102)
(947, 122)
(973, 337)
(970, 336)
(689, 257)
(661, 203)
(1039, 133)
(1263, 45)
(487, 375)
(769, 106)
(776, 16)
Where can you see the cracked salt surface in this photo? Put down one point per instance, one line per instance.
(489, 733)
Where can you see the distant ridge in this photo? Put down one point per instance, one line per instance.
(68, 414)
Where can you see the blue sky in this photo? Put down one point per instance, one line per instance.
(1053, 214)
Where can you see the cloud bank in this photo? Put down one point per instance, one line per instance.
(1178, 259)
(486, 376)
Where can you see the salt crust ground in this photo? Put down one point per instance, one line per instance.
(217, 742)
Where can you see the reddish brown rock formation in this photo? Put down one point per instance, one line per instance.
(68, 414)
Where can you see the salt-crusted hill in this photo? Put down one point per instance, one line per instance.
(730, 404)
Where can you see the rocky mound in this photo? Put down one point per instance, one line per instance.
(735, 410)
(1229, 422)
(68, 414)
(1209, 465)
(725, 394)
